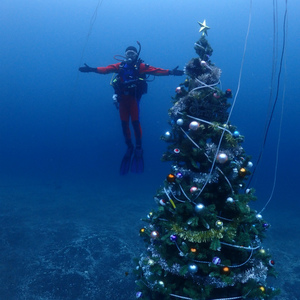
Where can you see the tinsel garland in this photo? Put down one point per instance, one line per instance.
(198, 236)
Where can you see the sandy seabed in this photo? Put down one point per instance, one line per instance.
(78, 241)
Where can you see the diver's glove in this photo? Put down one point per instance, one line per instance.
(115, 101)
(87, 69)
(176, 72)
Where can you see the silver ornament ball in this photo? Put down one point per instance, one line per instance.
(179, 122)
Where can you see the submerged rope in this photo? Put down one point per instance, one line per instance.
(277, 88)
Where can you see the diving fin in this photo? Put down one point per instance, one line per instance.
(137, 164)
(125, 164)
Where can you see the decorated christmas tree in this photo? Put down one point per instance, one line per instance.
(204, 241)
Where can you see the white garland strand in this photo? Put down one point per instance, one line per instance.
(207, 122)
(209, 160)
(187, 298)
(241, 247)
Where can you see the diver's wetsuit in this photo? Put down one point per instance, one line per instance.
(129, 104)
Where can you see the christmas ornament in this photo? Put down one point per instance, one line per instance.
(167, 135)
(225, 270)
(150, 262)
(204, 64)
(228, 93)
(248, 191)
(258, 216)
(242, 172)
(250, 164)
(171, 178)
(262, 288)
(173, 237)
(271, 263)
(138, 295)
(142, 230)
(161, 283)
(262, 251)
(193, 250)
(229, 200)
(216, 260)
(176, 150)
(203, 28)
(216, 95)
(193, 268)
(172, 202)
(199, 207)
(222, 158)
(179, 122)
(150, 215)
(219, 224)
(162, 202)
(178, 90)
(236, 134)
(194, 125)
(179, 175)
(266, 225)
(154, 235)
(193, 189)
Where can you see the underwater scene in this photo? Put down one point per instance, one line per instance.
(149, 150)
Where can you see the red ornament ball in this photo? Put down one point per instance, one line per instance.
(193, 189)
(228, 93)
(178, 90)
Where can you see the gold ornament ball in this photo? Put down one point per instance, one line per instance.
(171, 178)
(225, 270)
(262, 251)
(242, 172)
(262, 288)
(219, 224)
(142, 230)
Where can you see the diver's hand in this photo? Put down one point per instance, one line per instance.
(176, 72)
(87, 69)
(115, 101)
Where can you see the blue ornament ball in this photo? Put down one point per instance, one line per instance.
(216, 260)
(173, 237)
(236, 134)
(199, 207)
(179, 175)
(193, 268)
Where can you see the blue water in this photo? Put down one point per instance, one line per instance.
(69, 222)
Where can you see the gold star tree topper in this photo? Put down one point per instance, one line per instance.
(203, 27)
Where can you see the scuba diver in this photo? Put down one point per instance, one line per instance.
(130, 83)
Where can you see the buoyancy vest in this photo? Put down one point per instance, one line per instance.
(129, 81)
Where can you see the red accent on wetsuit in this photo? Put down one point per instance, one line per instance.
(128, 104)
(144, 69)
